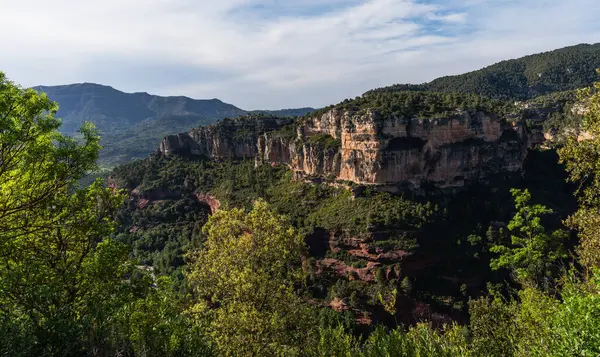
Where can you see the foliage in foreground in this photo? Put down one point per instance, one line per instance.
(582, 160)
(66, 287)
(244, 283)
(533, 253)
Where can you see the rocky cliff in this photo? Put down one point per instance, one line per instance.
(228, 138)
(551, 119)
(367, 147)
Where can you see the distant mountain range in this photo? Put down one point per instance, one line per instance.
(132, 124)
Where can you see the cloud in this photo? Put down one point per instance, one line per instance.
(449, 18)
(276, 53)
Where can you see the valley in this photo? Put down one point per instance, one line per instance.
(451, 218)
(411, 197)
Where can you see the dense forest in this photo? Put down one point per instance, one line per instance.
(190, 256)
(564, 69)
(421, 104)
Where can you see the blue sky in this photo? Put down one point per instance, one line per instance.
(272, 54)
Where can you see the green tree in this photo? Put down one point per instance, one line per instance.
(407, 285)
(575, 325)
(333, 342)
(421, 340)
(493, 327)
(245, 280)
(533, 323)
(533, 252)
(36, 163)
(582, 161)
(61, 278)
(158, 325)
(547, 326)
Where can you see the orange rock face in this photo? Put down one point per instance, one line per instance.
(371, 149)
(391, 150)
(209, 200)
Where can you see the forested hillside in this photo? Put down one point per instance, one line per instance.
(292, 112)
(421, 104)
(381, 259)
(520, 79)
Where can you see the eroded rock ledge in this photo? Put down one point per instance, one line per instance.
(366, 147)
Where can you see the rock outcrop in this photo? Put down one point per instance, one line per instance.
(368, 148)
(553, 118)
(209, 200)
(228, 138)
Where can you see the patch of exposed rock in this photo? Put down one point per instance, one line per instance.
(209, 200)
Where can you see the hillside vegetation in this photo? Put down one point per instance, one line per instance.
(421, 104)
(519, 79)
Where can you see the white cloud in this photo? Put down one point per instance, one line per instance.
(330, 50)
(450, 18)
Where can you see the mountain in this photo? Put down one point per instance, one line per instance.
(111, 109)
(132, 124)
(448, 132)
(520, 79)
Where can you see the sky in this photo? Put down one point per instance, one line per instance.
(270, 54)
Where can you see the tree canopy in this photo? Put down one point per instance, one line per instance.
(533, 252)
(581, 155)
(245, 279)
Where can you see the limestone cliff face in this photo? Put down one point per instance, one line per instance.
(368, 148)
(228, 138)
(388, 150)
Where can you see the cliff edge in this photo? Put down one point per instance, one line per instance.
(449, 143)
